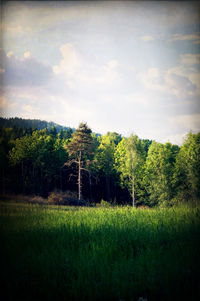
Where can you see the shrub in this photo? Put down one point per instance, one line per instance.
(65, 198)
(105, 204)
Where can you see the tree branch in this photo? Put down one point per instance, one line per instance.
(70, 163)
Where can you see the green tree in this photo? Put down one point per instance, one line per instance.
(129, 159)
(159, 169)
(187, 169)
(39, 157)
(80, 150)
(105, 158)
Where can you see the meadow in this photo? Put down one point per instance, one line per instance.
(117, 253)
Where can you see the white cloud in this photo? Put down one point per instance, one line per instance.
(189, 37)
(186, 122)
(6, 105)
(23, 72)
(76, 70)
(14, 29)
(153, 79)
(154, 37)
(106, 74)
(188, 72)
(195, 79)
(173, 81)
(190, 59)
(70, 62)
(28, 108)
(27, 54)
(175, 139)
(112, 64)
(9, 54)
(93, 79)
(179, 85)
(147, 38)
(3, 102)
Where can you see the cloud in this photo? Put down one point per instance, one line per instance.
(172, 82)
(195, 79)
(23, 72)
(175, 139)
(76, 69)
(147, 38)
(186, 122)
(3, 102)
(188, 72)
(14, 29)
(179, 86)
(27, 54)
(190, 59)
(10, 28)
(9, 54)
(70, 60)
(28, 108)
(153, 79)
(189, 37)
(6, 105)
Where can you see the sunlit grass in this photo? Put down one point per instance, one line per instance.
(99, 253)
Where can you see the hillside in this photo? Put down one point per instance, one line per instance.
(30, 123)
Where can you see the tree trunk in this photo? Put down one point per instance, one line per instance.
(79, 178)
(107, 188)
(33, 179)
(133, 192)
(3, 181)
(22, 170)
(60, 179)
(90, 181)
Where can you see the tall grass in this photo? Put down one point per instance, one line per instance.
(57, 253)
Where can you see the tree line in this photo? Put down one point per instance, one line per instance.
(111, 167)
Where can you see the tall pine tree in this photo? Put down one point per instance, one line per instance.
(80, 150)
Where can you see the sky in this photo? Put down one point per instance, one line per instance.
(123, 66)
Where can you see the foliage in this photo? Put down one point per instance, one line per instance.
(38, 156)
(129, 161)
(105, 204)
(109, 167)
(158, 175)
(80, 151)
(24, 124)
(81, 142)
(105, 158)
(187, 170)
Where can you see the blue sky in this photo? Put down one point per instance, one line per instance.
(124, 66)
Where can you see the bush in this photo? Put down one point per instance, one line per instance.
(105, 204)
(37, 200)
(20, 198)
(65, 198)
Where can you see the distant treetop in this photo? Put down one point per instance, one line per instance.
(31, 123)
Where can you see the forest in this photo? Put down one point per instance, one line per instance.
(85, 216)
(38, 158)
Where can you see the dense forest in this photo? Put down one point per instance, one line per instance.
(30, 123)
(37, 158)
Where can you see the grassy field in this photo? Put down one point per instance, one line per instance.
(58, 253)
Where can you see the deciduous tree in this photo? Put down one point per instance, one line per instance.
(129, 158)
(158, 175)
(187, 169)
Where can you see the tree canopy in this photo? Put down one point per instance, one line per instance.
(110, 167)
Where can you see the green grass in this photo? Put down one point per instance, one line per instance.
(62, 253)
